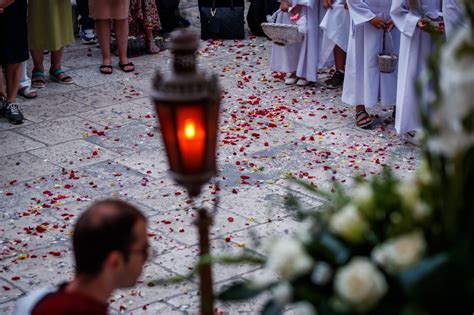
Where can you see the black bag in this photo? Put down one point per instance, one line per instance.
(222, 19)
(257, 14)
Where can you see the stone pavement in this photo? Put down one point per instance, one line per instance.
(97, 138)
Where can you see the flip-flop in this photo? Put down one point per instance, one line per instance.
(123, 66)
(27, 92)
(103, 67)
(59, 76)
(37, 79)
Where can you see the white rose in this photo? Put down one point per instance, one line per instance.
(424, 173)
(321, 274)
(302, 308)
(421, 211)
(360, 284)
(408, 191)
(282, 293)
(401, 252)
(288, 258)
(363, 195)
(348, 224)
(263, 278)
(306, 230)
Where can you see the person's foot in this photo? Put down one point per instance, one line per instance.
(302, 82)
(12, 112)
(335, 81)
(88, 37)
(152, 48)
(291, 79)
(183, 22)
(27, 92)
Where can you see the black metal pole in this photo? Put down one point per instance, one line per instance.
(204, 223)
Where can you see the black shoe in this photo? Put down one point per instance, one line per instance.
(3, 105)
(183, 22)
(335, 81)
(12, 112)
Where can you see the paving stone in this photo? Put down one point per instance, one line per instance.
(56, 106)
(7, 308)
(152, 163)
(74, 153)
(120, 115)
(23, 166)
(129, 139)
(12, 143)
(9, 292)
(61, 130)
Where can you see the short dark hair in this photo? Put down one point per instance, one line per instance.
(97, 233)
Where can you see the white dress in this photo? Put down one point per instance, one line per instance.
(415, 46)
(453, 16)
(364, 84)
(302, 58)
(336, 27)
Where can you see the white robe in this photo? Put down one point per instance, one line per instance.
(302, 58)
(415, 46)
(453, 16)
(336, 28)
(364, 84)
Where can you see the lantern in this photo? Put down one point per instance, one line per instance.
(187, 104)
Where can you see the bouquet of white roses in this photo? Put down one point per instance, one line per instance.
(392, 246)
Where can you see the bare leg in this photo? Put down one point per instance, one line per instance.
(121, 33)
(37, 56)
(339, 58)
(2, 87)
(150, 42)
(102, 28)
(56, 57)
(13, 81)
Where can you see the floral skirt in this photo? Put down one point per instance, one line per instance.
(143, 16)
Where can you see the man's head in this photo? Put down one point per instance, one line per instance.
(110, 240)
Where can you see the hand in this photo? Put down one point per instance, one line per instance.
(390, 25)
(378, 22)
(441, 28)
(327, 4)
(284, 6)
(296, 10)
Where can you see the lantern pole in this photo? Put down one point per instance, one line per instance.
(204, 223)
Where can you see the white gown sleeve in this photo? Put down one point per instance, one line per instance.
(405, 19)
(360, 11)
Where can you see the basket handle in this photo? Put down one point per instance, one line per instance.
(384, 44)
(275, 15)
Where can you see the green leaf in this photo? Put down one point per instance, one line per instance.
(241, 291)
(333, 249)
(418, 276)
(272, 308)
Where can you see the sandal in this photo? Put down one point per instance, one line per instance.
(37, 79)
(362, 116)
(123, 66)
(104, 68)
(59, 76)
(27, 92)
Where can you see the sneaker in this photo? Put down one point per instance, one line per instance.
(302, 82)
(12, 112)
(88, 37)
(335, 81)
(291, 80)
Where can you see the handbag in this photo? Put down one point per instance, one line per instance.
(222, 19)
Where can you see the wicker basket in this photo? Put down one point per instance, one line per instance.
(282, 34)
(387, 59)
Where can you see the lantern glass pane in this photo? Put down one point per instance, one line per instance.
(191, 137)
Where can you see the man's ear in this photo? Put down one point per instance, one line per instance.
(114, 261)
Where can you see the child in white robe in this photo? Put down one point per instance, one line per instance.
(416, 44)
(301, 59)
(336, 28)
(365, 85)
